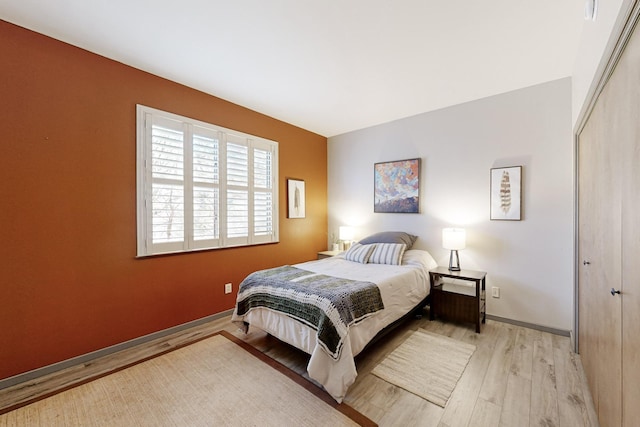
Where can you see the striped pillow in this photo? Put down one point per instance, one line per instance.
(388, 253)
(359, 253)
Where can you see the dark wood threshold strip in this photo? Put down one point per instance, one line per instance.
(308, 385)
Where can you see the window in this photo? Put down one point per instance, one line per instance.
(201, 186)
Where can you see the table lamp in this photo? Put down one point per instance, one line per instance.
(454, 239)
(346, 236)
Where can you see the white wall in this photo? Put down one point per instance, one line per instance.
(596, 44)
(530, 260)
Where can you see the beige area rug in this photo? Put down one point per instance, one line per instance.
(427, 365)
(218, 381)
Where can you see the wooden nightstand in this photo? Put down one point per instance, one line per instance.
(328, 254)
(451, 299)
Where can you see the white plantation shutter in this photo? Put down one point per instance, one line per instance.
(263, 204)
(201, 186)
(237, 190)
(206, 187)
(167, 183)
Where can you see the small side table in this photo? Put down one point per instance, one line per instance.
(458, 302)
(327, 254)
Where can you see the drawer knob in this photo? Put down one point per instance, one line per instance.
(614, 292)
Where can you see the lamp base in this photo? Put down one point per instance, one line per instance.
(452, 266)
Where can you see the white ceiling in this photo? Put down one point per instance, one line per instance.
(329, 66)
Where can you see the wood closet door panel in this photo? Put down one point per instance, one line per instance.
(600, 181)
(600, 234)
(610, 245)
(588, 305)
(609, 231)
(630, 296)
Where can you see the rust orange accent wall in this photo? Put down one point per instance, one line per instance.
(70, 282)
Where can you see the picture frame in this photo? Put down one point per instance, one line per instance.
(296, 205)
(397, 186)
(506, 194)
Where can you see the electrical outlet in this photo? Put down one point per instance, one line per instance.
(495, 292)
(228, 288)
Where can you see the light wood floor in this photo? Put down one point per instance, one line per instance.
(516, 377)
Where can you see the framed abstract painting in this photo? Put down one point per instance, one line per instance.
(397, 186)
(506, 193)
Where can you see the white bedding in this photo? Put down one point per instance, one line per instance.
(402, 287)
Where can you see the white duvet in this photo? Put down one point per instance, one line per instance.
(402, 287)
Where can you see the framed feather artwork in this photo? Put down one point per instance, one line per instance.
(506, 193)
(296, 205)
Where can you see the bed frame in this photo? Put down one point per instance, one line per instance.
(414, 312)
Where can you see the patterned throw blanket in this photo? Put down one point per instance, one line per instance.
(327, 304)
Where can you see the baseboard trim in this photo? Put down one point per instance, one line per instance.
(88, 357)
(555, 331)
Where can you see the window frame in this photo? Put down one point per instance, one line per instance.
(144, 184)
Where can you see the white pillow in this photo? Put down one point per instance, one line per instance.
(359, 253)
(419, 257)
(388, 253)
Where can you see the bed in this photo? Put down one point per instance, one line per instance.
(332, 308)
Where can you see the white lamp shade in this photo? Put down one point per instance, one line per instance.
(346, 233)
(454, 238)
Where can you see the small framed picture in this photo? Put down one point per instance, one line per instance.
(506, 193)
(295, 198)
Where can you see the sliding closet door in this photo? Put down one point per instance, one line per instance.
(588, 305)
(629, 67)
(609, 268)
(599, 250)
(609, 240)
